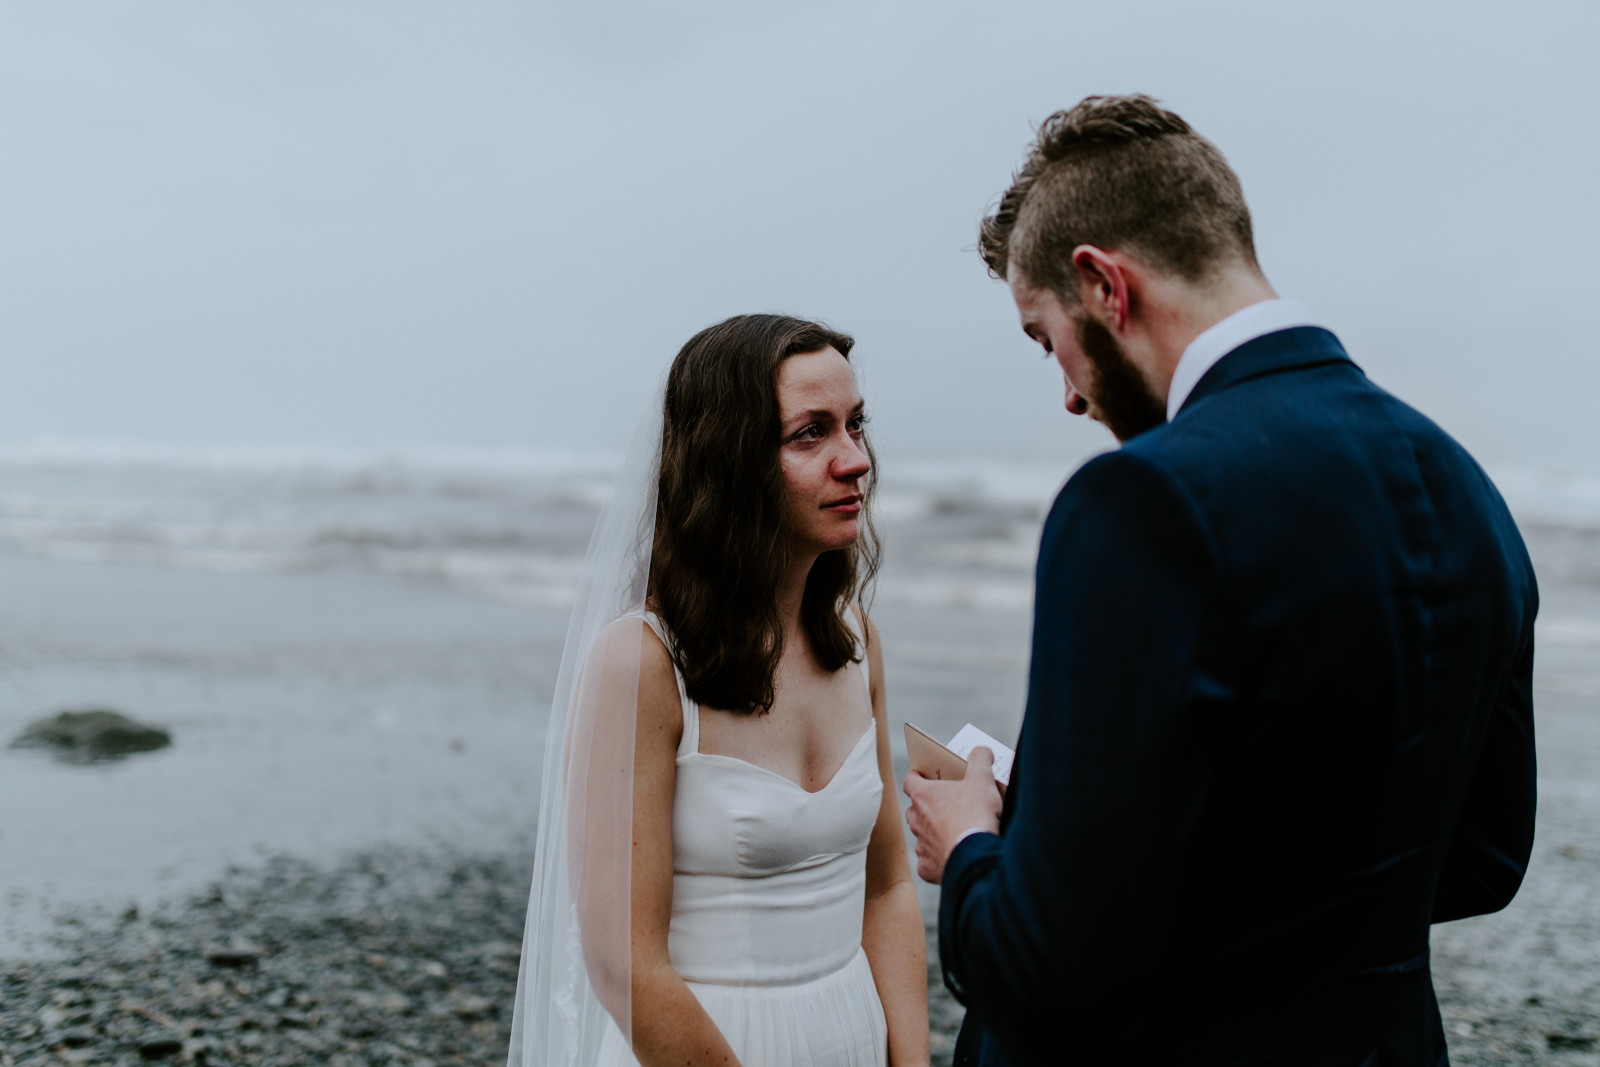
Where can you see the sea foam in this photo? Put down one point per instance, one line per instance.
(512, 524)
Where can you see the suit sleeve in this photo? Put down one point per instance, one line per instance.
(1044, 926)
(1488, 853)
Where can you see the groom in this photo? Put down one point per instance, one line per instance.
(1279, 713)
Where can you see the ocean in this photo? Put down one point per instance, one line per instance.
(356, 648)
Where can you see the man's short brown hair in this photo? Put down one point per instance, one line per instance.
(1118, 172)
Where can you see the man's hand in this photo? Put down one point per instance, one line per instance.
(941, 812)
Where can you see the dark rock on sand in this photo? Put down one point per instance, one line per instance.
(92, 735)
(235, 956)
(159, 1048)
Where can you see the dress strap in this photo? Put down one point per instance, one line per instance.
(691, 710)
(852, 619)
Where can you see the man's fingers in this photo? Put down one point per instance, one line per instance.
(983, 759)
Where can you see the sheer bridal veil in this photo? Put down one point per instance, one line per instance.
(576, 956)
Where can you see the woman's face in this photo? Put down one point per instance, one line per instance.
(821, 452)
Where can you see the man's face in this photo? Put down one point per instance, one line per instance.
(1102, 382)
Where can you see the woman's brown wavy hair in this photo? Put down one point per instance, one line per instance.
(720, 549)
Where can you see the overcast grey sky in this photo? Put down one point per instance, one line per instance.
(493, 222)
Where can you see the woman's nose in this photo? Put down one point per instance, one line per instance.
(851, 461)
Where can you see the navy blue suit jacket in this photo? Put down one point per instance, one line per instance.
(1279, 721)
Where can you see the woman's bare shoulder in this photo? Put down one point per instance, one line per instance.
(630, 646)
(867, 624)
(873, 654)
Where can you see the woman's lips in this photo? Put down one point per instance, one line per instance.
(850, 505)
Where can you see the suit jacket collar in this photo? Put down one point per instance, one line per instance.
(1292, 349)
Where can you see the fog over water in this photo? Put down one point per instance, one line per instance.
(492, 223)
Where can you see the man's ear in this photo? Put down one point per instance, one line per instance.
(1102, 285)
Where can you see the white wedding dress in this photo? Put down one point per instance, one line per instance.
(768, 889)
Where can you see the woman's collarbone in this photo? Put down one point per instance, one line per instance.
(805, 744)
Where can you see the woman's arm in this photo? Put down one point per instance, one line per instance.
(669, 1026)
(891, 929)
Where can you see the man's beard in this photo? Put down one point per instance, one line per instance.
(1122, 399)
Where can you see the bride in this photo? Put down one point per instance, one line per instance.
(721, 876)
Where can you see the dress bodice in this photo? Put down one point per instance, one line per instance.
(769, 879)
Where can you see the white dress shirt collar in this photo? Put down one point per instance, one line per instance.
(1246, 324)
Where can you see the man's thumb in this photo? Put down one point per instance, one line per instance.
(981, 759)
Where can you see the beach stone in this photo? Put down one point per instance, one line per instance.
(471, 1007)
(394, 1003)
(235, 956)
(159, 1048)
(91, 735)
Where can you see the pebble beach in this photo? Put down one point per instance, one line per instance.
(329, 864)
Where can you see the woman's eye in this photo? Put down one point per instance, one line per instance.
(809, 433)
(857, 425)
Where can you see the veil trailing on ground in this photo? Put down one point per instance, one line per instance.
(576, 955)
